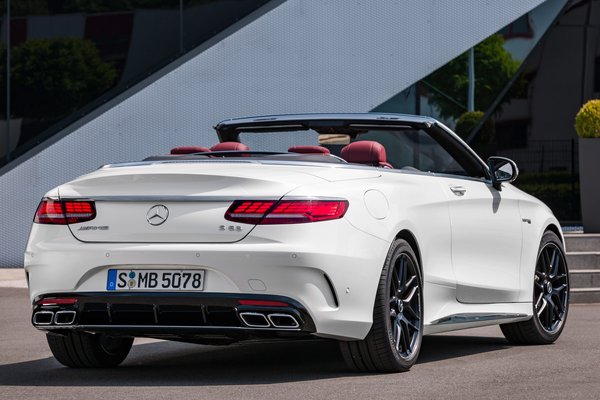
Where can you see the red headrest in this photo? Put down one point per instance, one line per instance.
(365, 152)
(189, 150)
(230, 146)
(309, 150)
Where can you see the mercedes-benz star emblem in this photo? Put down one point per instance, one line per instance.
(157, 215)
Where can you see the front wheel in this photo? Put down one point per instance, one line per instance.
(394, 341)
(550, 297)
(86, 350)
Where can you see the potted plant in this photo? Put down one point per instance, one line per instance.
(587, 125)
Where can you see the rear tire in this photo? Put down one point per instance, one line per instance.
(550, 297)
(86, 350)
(394, 341)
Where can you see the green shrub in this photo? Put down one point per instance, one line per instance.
(469, 120)
(54, 77)
(558, 190)
(587, 120)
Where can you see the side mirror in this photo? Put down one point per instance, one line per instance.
(502, 170)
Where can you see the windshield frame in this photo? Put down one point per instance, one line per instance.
(353, 125)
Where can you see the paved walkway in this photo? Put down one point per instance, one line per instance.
(12, 278)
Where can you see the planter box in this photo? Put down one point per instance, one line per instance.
(589, 181)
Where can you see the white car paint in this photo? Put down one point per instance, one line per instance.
(476, 251)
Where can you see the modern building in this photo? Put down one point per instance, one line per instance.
(97, 82)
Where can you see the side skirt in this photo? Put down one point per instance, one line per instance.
(472, 320)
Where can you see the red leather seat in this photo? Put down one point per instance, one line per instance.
(189, 150)
(309, 150)
(366, 152)
(230, 146)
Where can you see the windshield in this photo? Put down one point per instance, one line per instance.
(414, 149)
(407, 148)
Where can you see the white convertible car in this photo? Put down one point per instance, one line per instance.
(404, 232)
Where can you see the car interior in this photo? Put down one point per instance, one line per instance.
(409, 148)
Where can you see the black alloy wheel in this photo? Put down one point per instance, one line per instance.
(551, 288)
(405, 306)
(550, 297)
(394, 341)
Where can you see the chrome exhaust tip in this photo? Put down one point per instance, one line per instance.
(43, 318)
(254, 320)
(283, 321)
(64, 317)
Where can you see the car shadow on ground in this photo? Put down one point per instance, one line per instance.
(180, 364)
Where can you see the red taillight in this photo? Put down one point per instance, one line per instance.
(295, 212)
(62, 212)
(50, 212)
(248, 212)
(57, 301)
(263, 303)
(285, 211)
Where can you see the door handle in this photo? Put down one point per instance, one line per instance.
(458, 190)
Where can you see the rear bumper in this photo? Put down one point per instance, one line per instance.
(183, 316)
(328, 271)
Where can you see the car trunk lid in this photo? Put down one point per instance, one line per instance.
(177, 202)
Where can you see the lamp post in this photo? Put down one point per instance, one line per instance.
(471, 96)
(7, 80)
(180, 26)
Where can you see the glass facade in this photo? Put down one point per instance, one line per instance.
(498, 62)
(67, 57)
(536, 125)
(531, 78)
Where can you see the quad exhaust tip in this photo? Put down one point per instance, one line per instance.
(275, 320)
(56, 318)
(283, 321)
(43, 317)
(255, 320)
(64, 317)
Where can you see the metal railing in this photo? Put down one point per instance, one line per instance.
(546, 155)
(549, 170)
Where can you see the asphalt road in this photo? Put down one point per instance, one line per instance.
(477, 363)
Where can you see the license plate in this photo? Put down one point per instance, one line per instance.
(155, 279)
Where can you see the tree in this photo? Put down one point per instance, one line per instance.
(494, 67)
(53, 77)
(45, 7)
(469, 120)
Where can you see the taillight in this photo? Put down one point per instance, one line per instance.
(285, 211)
(63, 212)
(248, 212)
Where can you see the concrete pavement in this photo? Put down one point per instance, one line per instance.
(477, 363)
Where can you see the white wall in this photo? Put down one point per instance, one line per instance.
(302, 56)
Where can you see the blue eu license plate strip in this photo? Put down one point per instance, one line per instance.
(111, 283)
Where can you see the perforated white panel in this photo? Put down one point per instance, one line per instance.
(302, 56)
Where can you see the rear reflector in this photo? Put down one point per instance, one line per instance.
(63, 212)
(285, 211)
(57, 301)
(263, 303)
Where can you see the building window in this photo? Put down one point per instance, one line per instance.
(512, 134)
(521, 28)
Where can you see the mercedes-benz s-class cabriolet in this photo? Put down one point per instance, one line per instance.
(387, 228)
